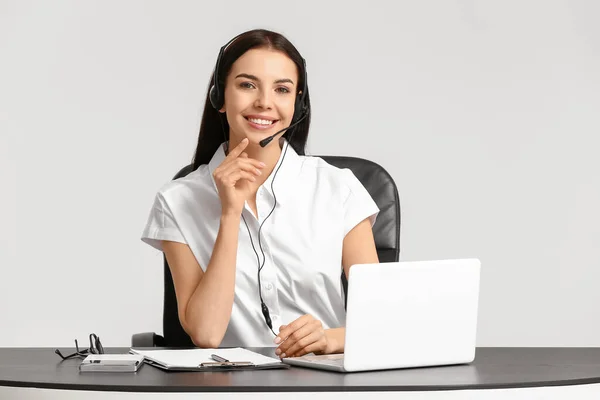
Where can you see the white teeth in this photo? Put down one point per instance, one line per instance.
(260, 121)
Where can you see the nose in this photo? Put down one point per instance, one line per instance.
(263, 100)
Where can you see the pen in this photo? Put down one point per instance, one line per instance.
(218, 358)
(223, 362)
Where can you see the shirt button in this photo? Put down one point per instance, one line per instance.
(269, 286)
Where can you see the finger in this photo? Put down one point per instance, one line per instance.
(312, 337)
(294, 337)
(228, 162)
(237, 150)
(250, 161)
(308, 334)
(315, 347)
(235, 176)
(240, 161)
(229, 176)
(293, 326)
(244, 155)
(242, 164)
(289, 329)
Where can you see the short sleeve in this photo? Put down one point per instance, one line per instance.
(358, 204)
(161, 225)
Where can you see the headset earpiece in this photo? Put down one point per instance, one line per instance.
(214, 97)
(298, 108)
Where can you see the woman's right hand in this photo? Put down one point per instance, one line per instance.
(234, 179)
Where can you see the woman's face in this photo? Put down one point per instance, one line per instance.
(260, 91)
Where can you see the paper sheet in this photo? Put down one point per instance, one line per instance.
(191, 358)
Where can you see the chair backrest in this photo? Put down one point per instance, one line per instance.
(386, 230)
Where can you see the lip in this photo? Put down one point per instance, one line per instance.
(261, 127)
(258, 126)
(258, 116)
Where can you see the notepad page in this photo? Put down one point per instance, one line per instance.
(113, 357)
(191, 358)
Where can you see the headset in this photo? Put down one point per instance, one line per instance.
(301, 111)
(217, 96)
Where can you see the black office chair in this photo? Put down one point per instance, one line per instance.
(386, 230)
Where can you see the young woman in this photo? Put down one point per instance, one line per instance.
(258, 234)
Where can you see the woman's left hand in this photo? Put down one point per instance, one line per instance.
(304, 335)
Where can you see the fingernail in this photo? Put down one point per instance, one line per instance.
(277, 351)
(277, 340)
(245, 140)
(283, 355)
(258, 172)
(262, 164)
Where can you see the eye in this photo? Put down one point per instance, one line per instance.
(246, 85)
(283, 89)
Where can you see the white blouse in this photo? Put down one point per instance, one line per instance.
(317, 205)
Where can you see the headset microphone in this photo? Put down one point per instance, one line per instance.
(266, 141)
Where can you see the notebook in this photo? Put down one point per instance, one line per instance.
(208, 359)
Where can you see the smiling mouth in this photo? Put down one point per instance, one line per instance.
(261, 122)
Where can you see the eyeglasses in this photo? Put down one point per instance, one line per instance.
(95, 348)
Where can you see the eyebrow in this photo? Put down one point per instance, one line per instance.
(255, 78)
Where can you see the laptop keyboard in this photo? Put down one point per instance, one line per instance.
(336, 360)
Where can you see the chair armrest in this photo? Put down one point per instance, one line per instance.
(147, 339)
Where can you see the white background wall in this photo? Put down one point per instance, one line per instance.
(484, 112)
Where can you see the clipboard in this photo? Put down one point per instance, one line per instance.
(232, 359)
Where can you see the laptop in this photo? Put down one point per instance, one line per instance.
(406, 315)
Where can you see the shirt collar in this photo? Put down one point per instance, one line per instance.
(287, 170)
